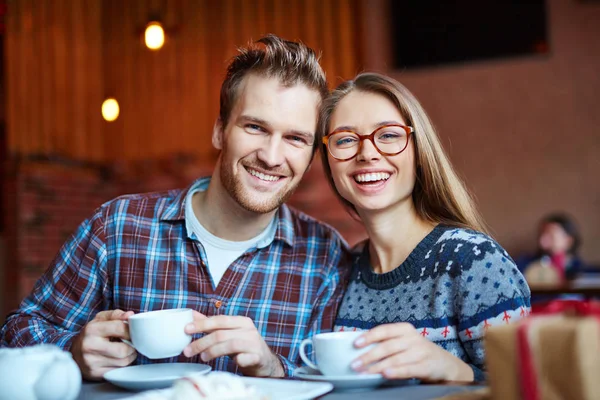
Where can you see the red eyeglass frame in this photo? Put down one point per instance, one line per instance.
(408, 129)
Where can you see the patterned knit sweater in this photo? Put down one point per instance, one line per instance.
(452, 287)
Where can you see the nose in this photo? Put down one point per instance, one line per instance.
(271, 152)
(367, 151)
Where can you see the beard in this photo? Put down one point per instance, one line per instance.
(245, 198)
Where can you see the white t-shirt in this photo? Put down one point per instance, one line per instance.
(219, 252)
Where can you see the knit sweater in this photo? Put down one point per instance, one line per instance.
(453, 286)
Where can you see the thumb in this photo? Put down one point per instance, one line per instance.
(198, 316)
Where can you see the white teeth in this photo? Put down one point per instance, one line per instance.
(264, 177)
(372, 177)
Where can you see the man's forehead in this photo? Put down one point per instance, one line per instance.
(268, 100)
(264, 88)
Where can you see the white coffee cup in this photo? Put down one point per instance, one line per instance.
(160, 334)
(334, 352)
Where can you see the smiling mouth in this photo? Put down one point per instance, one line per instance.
(371, 178)
(262, 176)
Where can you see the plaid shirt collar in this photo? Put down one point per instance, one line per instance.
(175, 211)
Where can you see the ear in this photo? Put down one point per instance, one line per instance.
(217, 136)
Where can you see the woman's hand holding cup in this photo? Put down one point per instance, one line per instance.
(401, 352)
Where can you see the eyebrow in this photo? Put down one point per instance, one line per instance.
(309, 136)
(351, 128)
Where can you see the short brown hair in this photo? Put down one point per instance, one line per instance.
(290, 62)
(439, 195)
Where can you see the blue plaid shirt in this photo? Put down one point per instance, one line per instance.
(134, 253)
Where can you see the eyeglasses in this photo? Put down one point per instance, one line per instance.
(389, 140)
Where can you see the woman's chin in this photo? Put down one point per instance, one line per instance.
(369, 207)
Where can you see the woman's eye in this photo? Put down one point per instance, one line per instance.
(390, 136)
(345, 141)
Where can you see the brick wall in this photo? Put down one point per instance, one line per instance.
(52, 199)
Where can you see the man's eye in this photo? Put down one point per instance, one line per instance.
(254, 127)
(298, 139)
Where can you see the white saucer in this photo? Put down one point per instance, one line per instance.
(153, 376)
(346, 382)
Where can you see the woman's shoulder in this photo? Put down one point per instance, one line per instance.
(469, 239)
(474, 249)
(487, 269)
(463, 234)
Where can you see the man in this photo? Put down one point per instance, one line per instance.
(260, 276)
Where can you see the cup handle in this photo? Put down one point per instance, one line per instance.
(303, 355)
(125, 340)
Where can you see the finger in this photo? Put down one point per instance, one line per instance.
(104, 315)
(412, 356)
(119, 351)
(202, 344)
(193, 327)
(384, 332)
(111, 315)
(98, 346)
(381, 351)
(124, 316)
(228, 348)
(94, 364)
(108, 329)
(123, 361)
(245, 360)
(407, 371)
(198, 316)
(219, 322)
(102, 361)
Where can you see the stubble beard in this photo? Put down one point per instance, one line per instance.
(244, 198)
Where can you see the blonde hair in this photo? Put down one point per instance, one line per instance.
(290, 62)
(439, 195)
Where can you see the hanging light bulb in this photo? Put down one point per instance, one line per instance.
(110, 109)
(154, 35)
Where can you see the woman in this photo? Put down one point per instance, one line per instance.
(427, 283)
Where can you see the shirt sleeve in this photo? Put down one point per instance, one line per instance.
(491, 292)
(67, 295)
(288, 366)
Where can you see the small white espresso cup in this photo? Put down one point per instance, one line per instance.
(160, 334)
(334, 352)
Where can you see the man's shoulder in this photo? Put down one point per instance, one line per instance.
(307, 226)
(149, 204)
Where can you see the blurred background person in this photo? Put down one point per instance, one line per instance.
(556, 259)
